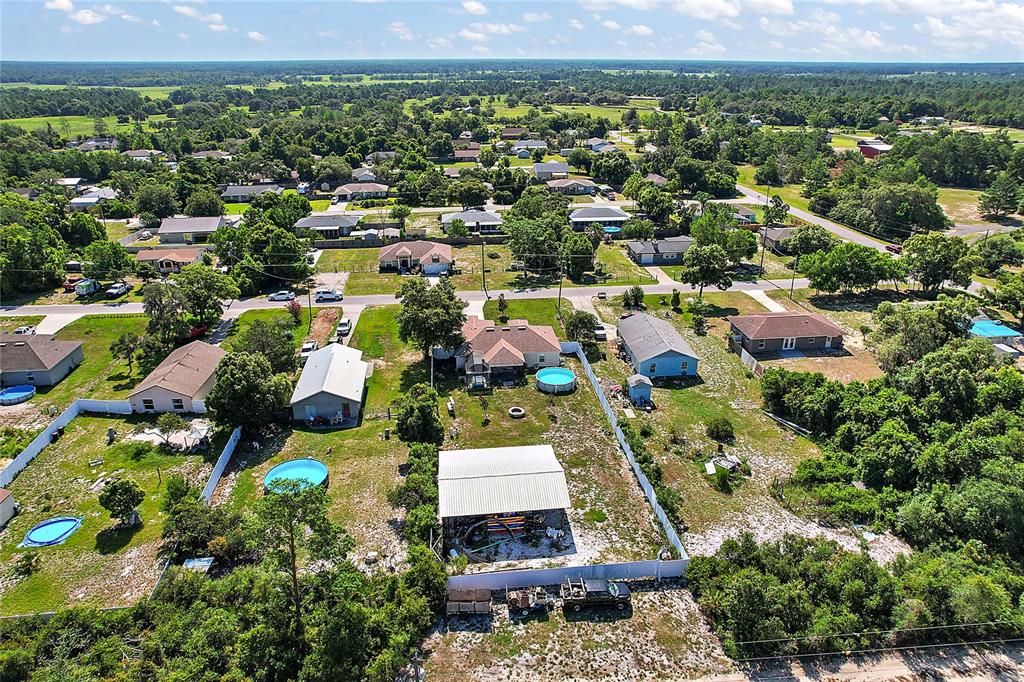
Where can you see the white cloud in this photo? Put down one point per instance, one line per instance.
(186, 10)
(776, 45)
(558, 39)
(109, 9)
(602, 5)
(212, 18)
(327, 34)
(534, 17)
(401, 30)
(217, 28)
(621, 43)
(639, 30)
(474, 7)
(611, 25)
(707, 44)
(480, 49)
(59, 5)
(87, 17)
(439, 43)
(183, 36)
(709, 10)
(65, 29)
(576, 24)
(474, 36)
(479, 31)
(769, 6)
(256, 36)
(131, 18)
(156, 23)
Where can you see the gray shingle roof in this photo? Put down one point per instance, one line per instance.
(335, 221)
(648, 337)
(37, 352)
(670, 245)
(551, 167)
(472, 217)
(596, 213)
(195, 225)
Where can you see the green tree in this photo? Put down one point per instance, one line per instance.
(776, 212)
(400, 213)
(457, 228)
(638, 229)
(431, 316)
(577, 254)
(655, 203)
(271, 339)
(580, 159)
(633, 297)
(816, 177)
(740, 244)
(439, 146)
(633, 186)
(81, 229)
(676, 299)
(121, 497)
(611, 167)
(706, 266)
(106, 261)
(808, 239)
(502, 307)
(332, 170)
(30, 260)
(417, 419)
(125, 347)
(1009, 295)
(204, 202)
(205, 290)
(167, 310)
(580, 326)
(169, 423)
(246, 393)
(997, 251)
(488, 157)
(470, 192)
(160, 200)
(934, 258)
(1001, 197)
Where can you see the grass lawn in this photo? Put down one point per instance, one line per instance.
(97, 565)
(723, 389)
(58, 296)
(583, 199)
(533, 310)
(361, 264)
(961, 205)
(320, 204)
(78, 125)
(117, 230)
(299, 331)
(100, 375)
(9, 324)
(789, 193)
(236, 208)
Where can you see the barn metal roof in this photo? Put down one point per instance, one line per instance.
(500, 480)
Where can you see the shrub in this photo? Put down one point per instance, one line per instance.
(720, 429)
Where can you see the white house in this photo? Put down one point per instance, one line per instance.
(331, 386)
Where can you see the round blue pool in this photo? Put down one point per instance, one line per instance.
(308, 471)
(16, 394)
(51, 531)
(556, 380)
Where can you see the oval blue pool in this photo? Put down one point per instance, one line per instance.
(16, 394)
(307, 471)
(556, 380)
(612, 229)
(51, 531)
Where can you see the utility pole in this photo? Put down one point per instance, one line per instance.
(792, 281)
(309, 301)
(483, 269)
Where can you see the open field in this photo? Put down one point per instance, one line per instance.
(99, 565)
(57, 295)
(364, 277)
(116, 229)
(299, 330)
(789, 193)
(153, 91)
(961, 205)
(533, 310)
(78, 125)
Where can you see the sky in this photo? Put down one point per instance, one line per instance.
(772, 30)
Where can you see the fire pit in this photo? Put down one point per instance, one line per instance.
(516, 412)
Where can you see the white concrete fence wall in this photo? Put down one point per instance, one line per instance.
(574, 348)
(222, 462)
(527, 577)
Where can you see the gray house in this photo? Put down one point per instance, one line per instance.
(773, 332)
(181, 382)
(605, 216)
(331, 386)
(188, 230)
(476, 220)
(551, 170)
(659, 251)
(331, 226)
(361, 190)
(243, 193)
(37, 360)
(655, 349)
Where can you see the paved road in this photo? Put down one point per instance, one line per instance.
(844, 233)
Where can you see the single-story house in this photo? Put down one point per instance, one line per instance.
(93, 144)
(476, 220)
(331, 226)
(143, 154)
(92, 197)
(745, 215)
(181, 382)
(994, 332)
(26, 192)
(607, 216)
(529, 145)
(243, 193)
(361, 190)
(363, 175)
(375, 157)
(572, 186)
(551, 170)
(73, 183)
(774, 236)
(513, 133)
(464, 143)
(659, 251)
(490, 481)
(7, 506)
(39, 359)
(655, 179)
(430, 258)
(213, 154)
(640, 388)
(452, 172)
(467, 155)
(772, 332)
(599, 145)
(167, 261)
(870, 149)
(331, 385)
(496, 353)
(188, 230)
(654, 348)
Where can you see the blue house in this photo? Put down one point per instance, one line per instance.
(655, 349)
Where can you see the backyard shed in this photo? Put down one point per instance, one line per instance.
(487, 481)
(7, 508)
(655, 349)
(331, 386)
(639, 389)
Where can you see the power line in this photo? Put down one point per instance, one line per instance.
(878, 632)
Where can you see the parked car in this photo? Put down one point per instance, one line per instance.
(119, 289)
(602, 295)
(894, 248)
(600, 333)
(281, 296)
(328, 295)
(144, 235)
(594, 592)
(344, 327)
(25, 331)
(307, 348)
(609, 195)
(69, 284)
(197, 332)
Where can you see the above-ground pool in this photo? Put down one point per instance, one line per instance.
(16, 394)
(307, 471)
(556, 380)
(612, 229)
(51, 531)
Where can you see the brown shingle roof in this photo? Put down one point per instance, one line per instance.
(4, 494)
(423, 251)
(185, 370)
(20, 353)
(507, 344)
(176, 255)
(783, 325)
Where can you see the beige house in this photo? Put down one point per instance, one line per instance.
(181, 382)
(497, 353)
(168, 261)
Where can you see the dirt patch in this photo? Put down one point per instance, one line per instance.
(859, 365)
(323, 325)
